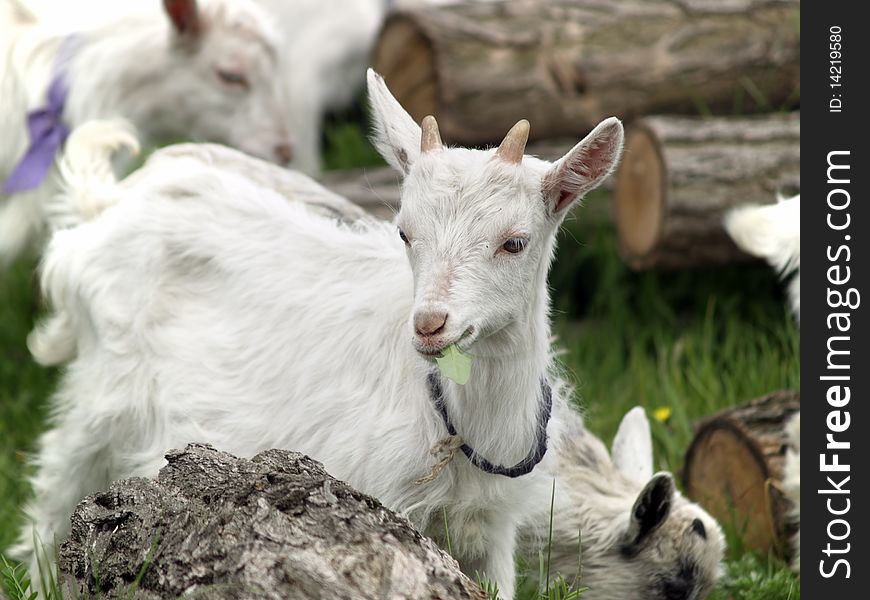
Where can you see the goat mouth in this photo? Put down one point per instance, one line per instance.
(433, 351)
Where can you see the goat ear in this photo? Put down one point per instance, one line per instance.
(396, 135)
(652, 507)
(584, 167)
(184, 16)
(632, 446)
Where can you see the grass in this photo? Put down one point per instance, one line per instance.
(692, 342)
(15, 580)
(24, 388)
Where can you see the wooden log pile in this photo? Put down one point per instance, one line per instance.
(566, 64)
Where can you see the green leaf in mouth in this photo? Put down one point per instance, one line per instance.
(454, 364)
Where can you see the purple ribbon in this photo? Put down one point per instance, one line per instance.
(47, 135)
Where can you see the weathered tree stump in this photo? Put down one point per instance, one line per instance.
(679, 176)
(734, 469)
(566, 64)
(277, 526)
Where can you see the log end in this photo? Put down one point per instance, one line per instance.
(640, 195)
(733, 469)
(405, 57)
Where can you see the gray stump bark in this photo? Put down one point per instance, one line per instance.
(277, 526)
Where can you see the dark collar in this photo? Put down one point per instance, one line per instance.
(524, 467)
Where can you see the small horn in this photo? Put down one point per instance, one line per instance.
(513, 145)
(431, 139)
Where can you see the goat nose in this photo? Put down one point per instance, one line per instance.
(677, 589)
(429, 323)
(284, 152)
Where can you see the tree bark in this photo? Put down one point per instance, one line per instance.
(566, 64)
(277, 526)
(734, 469)
(679, 176)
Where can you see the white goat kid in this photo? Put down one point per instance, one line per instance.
(206, 307)
(772, 232)
(642, 540)
(206, 73)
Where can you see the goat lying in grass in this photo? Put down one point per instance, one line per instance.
(204, 73)
(772, 232)
(642, 540)
(203, 306)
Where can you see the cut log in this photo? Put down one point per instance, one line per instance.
(277, 526)
(734, 469)
(566, 64)
(679, 175)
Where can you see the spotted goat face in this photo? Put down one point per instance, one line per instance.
(675, 546)
(672, 546)
(479, 225)
(640, 538)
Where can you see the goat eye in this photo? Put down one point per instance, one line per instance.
(404, 237)
(515, 245)
(232, 78)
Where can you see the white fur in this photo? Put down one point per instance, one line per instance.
(792, 484)
(632, 446)
(324, 58)
(596, 502)
(89, 187)
(202, 306)
(324, 50)
(140, 68)
(772, 232)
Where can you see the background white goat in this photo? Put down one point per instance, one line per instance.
(206, 307)
(642, 540)
(772, 232)
(327, 47)
(324, 49)
(203, 71)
